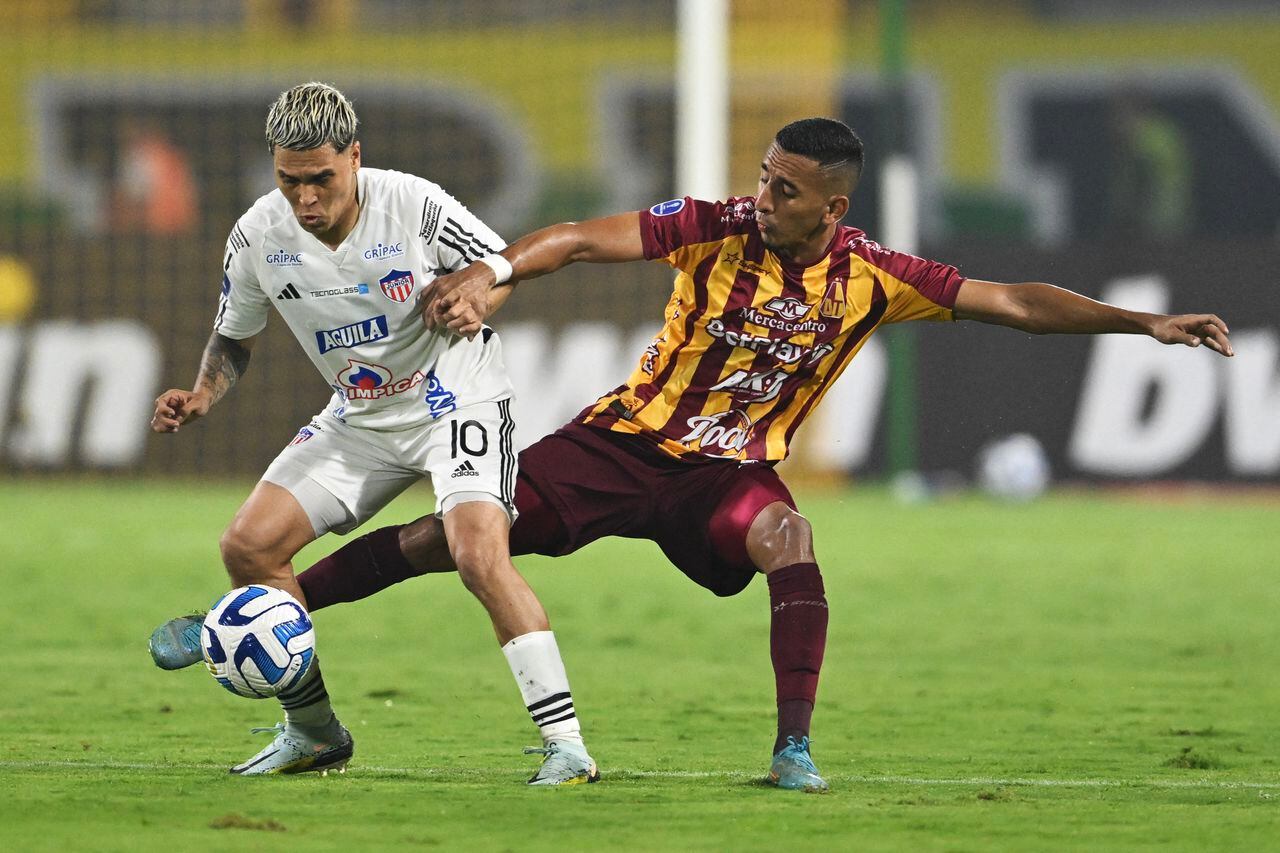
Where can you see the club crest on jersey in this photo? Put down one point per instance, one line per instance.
(364, 381)
(667, 208)
(397, 285)
(354, 335)
(788, 308)
(833, 303)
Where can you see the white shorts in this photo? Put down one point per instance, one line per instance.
(343, 475)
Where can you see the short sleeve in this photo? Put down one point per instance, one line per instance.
(673, 230)
(454, 236)
(242, 306)
(926, 290)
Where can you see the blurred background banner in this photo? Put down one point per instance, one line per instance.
(1128, 150)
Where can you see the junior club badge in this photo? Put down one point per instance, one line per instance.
(397, 285)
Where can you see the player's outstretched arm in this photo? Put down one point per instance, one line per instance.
(1044, 309)
(462, 300)
(224, 361)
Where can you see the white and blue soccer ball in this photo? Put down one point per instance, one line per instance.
(258, 641)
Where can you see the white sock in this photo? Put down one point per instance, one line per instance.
(306, 704)
(535, 662)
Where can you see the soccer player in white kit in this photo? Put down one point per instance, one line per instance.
(343, 253)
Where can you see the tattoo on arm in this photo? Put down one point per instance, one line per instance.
(224, 361)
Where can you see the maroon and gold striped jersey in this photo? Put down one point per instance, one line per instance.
(751, 341)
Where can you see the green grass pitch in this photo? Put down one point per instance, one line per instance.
(1086, 672)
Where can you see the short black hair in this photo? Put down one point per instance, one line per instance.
(832, 143)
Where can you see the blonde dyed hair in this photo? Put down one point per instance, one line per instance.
(309, 116)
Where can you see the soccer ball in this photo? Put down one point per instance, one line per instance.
(258, 641)
(1014, 468)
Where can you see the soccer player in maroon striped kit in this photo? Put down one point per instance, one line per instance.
(773, 298)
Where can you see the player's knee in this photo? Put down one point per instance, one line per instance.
(246, 558)
(791, 531)
(780, 536)
(480, 568)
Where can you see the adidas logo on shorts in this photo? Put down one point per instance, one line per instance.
(466, 469)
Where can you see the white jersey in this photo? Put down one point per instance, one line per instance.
(353, 309)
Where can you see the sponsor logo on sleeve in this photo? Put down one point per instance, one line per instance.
(236, 242)
(430, 219)
(667, 208)
(649, 360)
(353, 335)
(224, 301)
(397, 285)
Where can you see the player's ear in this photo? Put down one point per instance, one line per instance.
(837, 207)
(355, 155)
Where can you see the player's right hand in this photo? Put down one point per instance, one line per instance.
(176, 407)
(1193, 330)
(458, 301)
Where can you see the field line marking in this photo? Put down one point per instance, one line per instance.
(922, 781)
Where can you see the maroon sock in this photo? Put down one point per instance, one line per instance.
(797, 639)
(357, 570)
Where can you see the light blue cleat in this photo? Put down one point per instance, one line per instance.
(295, 751)
(563, 763)
(176, 643)
(793, 769)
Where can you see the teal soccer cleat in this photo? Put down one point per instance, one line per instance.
(294, 751)
(176, 643)
(564, 763)
(793, 769)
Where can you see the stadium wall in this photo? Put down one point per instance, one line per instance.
(1106, 408)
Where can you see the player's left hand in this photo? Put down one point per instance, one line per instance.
(458, 301)
(1193, 330)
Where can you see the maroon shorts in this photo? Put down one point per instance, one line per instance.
(581, 483)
